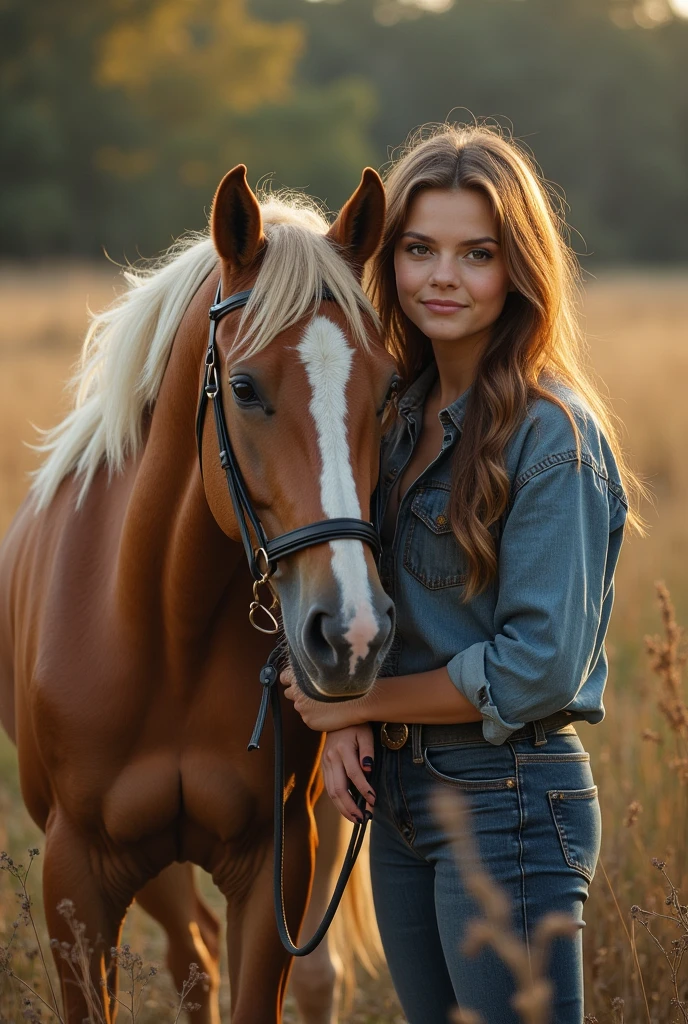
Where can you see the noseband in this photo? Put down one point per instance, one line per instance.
(262, 561)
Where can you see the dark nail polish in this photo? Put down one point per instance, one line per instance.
(368, 816)
(367, 762)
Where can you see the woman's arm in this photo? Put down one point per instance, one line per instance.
(557, 557)
(427, 697)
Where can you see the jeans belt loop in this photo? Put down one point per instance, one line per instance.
(540, 737)
(416, 749)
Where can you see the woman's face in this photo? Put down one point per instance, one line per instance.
(451, 278)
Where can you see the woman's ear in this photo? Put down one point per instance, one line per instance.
(236, 223)
(359, 226)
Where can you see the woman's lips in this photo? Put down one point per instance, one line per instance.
(444, 308)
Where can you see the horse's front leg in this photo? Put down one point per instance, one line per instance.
(86, 893)
(258, 963)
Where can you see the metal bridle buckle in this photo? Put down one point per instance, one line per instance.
(265, 569)
(256, 605)
(394, 734)
(211, 382)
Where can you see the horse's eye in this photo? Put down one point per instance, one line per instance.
(244, 391)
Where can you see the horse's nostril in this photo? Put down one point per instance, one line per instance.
(388, 615)
(333, 645)
(319, 638)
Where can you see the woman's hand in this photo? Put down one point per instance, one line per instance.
(348, 751)
(347, 757)
(317, 715)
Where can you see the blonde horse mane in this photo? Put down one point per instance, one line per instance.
(127, 345)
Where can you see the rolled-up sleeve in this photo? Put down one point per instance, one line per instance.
(553, 579)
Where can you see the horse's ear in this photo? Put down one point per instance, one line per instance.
(235, 222)
(358, 228)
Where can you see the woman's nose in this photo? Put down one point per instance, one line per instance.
(445, 274)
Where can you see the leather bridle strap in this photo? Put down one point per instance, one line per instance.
(322, 532)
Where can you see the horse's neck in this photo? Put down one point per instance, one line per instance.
(175, 562)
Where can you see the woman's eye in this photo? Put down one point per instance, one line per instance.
(244, 392)
(418, 250)
(481, 254)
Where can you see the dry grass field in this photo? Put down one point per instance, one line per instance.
(637, 325)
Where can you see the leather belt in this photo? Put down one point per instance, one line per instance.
(395, 734)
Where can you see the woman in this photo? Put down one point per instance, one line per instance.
(503, 499)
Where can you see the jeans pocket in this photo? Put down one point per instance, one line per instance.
(576, 814)
(446, 758)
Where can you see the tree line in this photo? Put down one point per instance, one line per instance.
(118, 118)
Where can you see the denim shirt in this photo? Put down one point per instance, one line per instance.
(533, 642)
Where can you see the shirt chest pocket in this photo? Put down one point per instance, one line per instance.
(432, 553)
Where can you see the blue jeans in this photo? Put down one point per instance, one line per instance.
(536, 821)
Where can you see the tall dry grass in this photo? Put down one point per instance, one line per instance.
(637, 323)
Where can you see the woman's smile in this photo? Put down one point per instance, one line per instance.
(443, 307)
(451, 276)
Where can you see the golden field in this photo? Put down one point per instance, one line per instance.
(637, 326)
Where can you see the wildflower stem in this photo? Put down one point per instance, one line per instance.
(639, 969)
(38, 996)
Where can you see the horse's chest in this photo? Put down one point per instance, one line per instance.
(143, 799)
(189, 793)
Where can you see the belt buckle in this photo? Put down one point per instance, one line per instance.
(394, 735)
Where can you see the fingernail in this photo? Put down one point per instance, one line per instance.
(359, 819)
(371, 795)
(368, 816)
(367, 762)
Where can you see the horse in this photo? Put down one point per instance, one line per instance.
(321, 982)
(128, 670)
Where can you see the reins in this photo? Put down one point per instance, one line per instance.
(262, 561)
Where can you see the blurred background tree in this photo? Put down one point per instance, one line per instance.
(118, 118)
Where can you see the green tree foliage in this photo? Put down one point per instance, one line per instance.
(599, 96)
(119, 118)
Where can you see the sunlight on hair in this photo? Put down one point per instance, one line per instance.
(537, 346)
(299, 264)
(127, 346)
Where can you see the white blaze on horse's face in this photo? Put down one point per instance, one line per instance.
(327, 357)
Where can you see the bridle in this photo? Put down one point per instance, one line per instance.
(262, 560)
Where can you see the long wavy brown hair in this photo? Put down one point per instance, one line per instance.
(535, 343)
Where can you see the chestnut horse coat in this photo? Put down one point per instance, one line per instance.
(128, 669)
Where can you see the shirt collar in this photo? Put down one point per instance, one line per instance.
(415, 396)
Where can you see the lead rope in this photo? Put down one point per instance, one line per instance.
(270, 695)
(262, 563)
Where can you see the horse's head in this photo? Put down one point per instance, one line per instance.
(304, 384)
